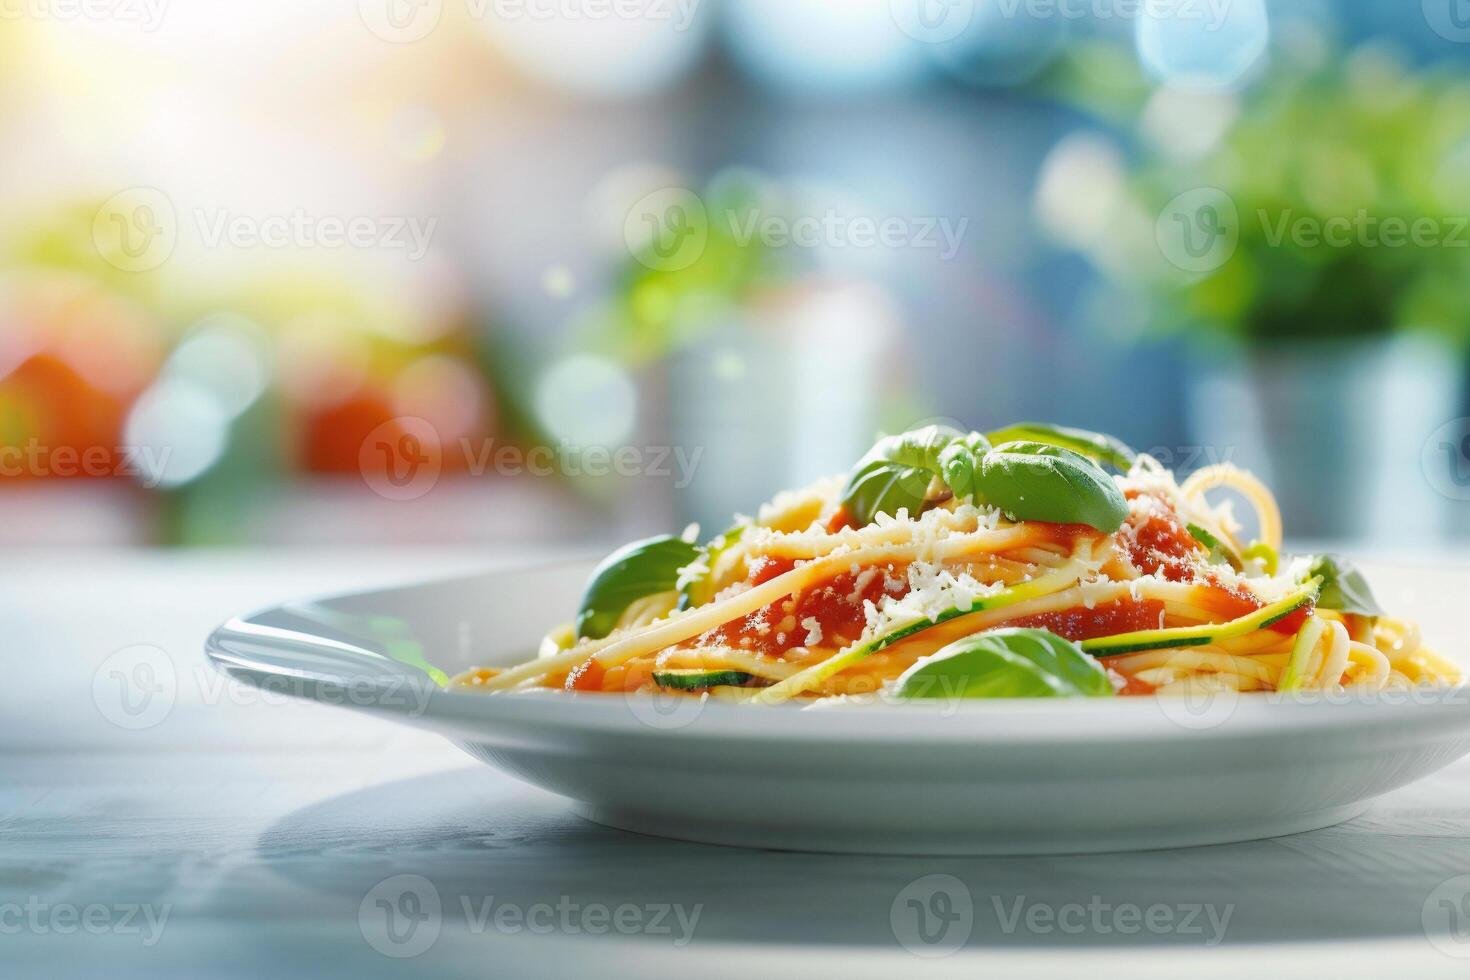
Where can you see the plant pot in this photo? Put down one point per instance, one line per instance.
(1336, 429)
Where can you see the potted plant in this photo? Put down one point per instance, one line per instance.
(1311, 238)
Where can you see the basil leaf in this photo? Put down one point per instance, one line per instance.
(1040, 482)
(636, 570)
(1343, 586)
(1007, 663)
(1093, 445)
(959, 464)
(896, 473)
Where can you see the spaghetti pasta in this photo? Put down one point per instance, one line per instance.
(1022, 567)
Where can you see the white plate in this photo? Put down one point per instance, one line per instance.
(984, 777)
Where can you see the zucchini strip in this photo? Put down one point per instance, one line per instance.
(697, 680)
(1062, 578)
(1196, 636)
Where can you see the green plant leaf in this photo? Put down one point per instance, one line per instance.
(1094, 445)
(1007, 663)
(896, 473)
(1040, 482)
(636, 570)
(959, 464)
(1343, 586)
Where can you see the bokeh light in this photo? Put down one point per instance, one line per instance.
(586, 400)
(443, 391)
(1196, 46)
(817, 47)
(178, 430)
(614, 55)
(227, 355)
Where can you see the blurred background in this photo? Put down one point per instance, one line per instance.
(562, 271)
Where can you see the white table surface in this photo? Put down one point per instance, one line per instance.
(235, 836)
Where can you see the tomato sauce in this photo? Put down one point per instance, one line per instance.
(1160, 544)
(1063, 535)
(1133, 687)
(1225, 603)
(762, 569)
(836, 605)
(840, 521)
(1104, 619)
(586, 676)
